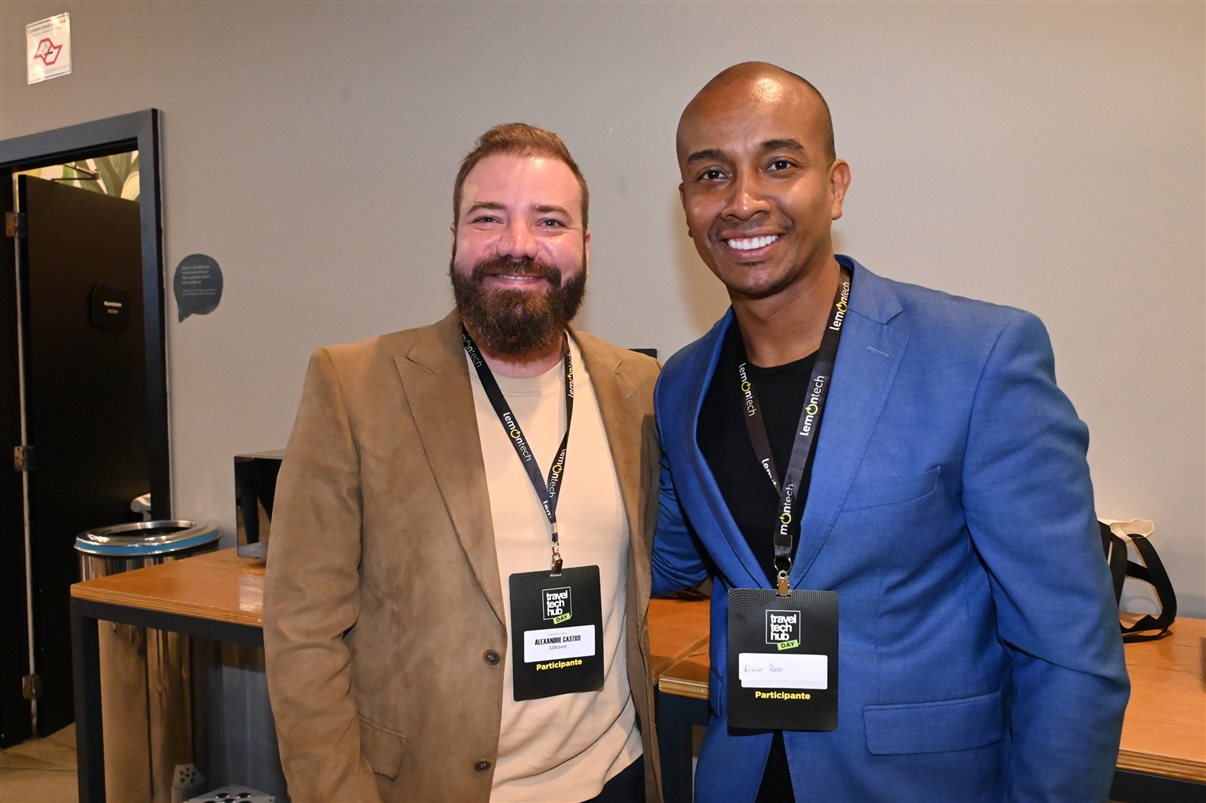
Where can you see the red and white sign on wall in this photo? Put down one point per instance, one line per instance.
(48, 48)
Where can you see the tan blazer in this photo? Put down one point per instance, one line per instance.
(383, 607)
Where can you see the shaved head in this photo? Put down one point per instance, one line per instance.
(757, 82)
(761, 184)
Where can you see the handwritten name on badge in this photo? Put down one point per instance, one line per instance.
(765, 671)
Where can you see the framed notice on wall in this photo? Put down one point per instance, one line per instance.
(48, 48)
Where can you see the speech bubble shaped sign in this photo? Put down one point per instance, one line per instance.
(197, 285)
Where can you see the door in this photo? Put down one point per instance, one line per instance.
(15, 722)
(85, 403)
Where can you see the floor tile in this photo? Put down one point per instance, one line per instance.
(46, 753)
(15, 760)
(40, 770)
(65, 736)
(38, 786)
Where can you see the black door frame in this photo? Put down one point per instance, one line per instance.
(135, 131)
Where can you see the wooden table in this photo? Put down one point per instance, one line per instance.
(678, 629)
(1163, 751)
(216, 595)
(219, 595)
(678, 633)
(1164, 733)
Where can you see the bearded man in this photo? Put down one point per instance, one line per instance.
(456, 594)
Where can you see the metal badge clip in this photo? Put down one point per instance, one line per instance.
(783, 584)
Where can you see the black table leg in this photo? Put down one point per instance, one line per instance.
(89, 744)
(675, 717)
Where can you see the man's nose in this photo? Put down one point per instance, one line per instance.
(517, 241)
(746, 197)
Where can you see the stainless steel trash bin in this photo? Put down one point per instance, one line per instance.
(145, 677)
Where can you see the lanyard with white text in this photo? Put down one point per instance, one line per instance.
(810, 419)
(546, 491)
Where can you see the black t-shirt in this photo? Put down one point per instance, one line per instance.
(725, 442)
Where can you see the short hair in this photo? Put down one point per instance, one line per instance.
(517, 139)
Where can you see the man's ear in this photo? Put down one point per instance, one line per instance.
(586, 253)
(682, 199)
(839, 183)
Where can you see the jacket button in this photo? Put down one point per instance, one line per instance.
(482, 766)
(491, 657)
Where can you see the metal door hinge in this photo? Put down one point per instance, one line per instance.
(31, 687)
(23, 458)
(15, 224)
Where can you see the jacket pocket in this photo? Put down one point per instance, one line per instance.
(934, 727)
(879, 491)
(382, 748)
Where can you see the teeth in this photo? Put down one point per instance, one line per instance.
(750, 243)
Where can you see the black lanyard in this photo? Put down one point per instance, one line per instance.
(810, 418)
(546, 490)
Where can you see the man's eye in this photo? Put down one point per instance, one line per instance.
(552, 223)
(711, 174)
(484, 219)
(781, 164)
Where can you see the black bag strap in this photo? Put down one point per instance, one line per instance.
(1155, 574)
(1150, 571)
(1115, 552)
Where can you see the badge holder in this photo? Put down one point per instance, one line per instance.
(556, 631)
(783, 658)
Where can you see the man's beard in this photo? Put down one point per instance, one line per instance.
(516, 322)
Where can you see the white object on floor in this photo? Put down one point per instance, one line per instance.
(186, 782)
(233, 794)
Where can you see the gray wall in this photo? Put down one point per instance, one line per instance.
(1045, 155)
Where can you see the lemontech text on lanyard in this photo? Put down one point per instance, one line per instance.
(546, 490)
(817, 392)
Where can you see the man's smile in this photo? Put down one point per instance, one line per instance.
(751, 243)
(515, 280)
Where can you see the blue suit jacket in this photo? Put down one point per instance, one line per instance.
(951, 509)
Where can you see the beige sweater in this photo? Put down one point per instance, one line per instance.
(560, 748)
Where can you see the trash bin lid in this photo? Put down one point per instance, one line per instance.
(145, 538)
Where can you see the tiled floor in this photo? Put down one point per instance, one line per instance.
(40, 770)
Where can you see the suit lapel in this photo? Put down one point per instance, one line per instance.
(867, 361)
(715, 515)
(623, 421)
(435, 378)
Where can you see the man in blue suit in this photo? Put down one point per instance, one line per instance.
(890, 493)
